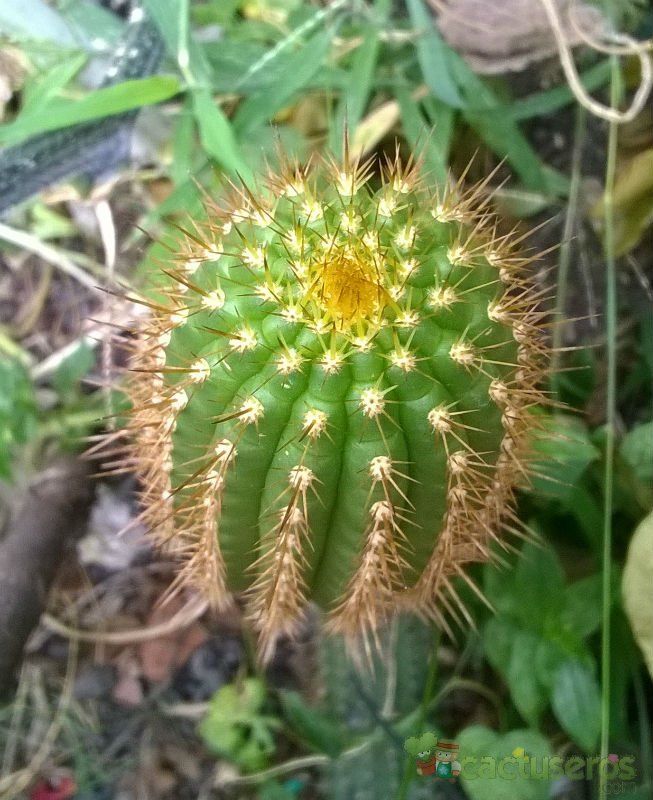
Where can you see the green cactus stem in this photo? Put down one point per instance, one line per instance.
(333, 401)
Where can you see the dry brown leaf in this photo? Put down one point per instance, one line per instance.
(496, 36)
(162, 656)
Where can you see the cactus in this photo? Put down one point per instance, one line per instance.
(331, 399)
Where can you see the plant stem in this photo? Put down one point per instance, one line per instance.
(565, 248)
(409, 771)
(611, 410)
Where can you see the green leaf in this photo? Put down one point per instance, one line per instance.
(72, 369)
(636, 588)
(172, 19)
(512, 652)
(235, 726)
(434, 144)
(531, 590)
(61, 113)
(273, 62)
(636, 449)
(528, 693)
(576, 701)
(320, 731)
(355, 96)
(217, 135)
(17, 410)
(434, 57)
(632, 200)
(581, 611)
(39, 91)
(481, 746)
(563, 451)
(485, 114)
(538, 585)
(298, 69)
(273, 790)
(540, 627)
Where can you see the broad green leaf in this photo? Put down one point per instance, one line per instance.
(485, 756)
(299, 68)
(512, 651)
(528, 694)
(537, 586)
(585, 506)
(498, 637)
(563, 451)
(318, 730)
(217, 135)
(61, 113)
(540, 626)
(231, 59)
(637, 451)
(530, 590)
(576, 702)
(556, 649)
(581, 611)
(637, 588)
(434, 56)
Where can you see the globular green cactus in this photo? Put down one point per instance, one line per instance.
(332, 402)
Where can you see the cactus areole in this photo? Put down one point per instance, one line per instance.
(332, 401)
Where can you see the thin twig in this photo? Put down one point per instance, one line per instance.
(52, 255)
(609, 113)
(182, 619)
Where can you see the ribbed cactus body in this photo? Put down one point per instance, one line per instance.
(332, 401)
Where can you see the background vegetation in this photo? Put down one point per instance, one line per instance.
(554, 669)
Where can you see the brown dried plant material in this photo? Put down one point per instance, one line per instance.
(496, 36)
(13, 69)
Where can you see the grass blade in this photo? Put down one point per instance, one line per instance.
(434, 57)
(217, 135)
(433, 144)
(299, 68)
(61, 113)
(359, 82)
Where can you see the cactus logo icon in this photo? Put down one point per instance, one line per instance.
(433, 756)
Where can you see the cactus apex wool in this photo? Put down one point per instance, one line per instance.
(332, 400)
